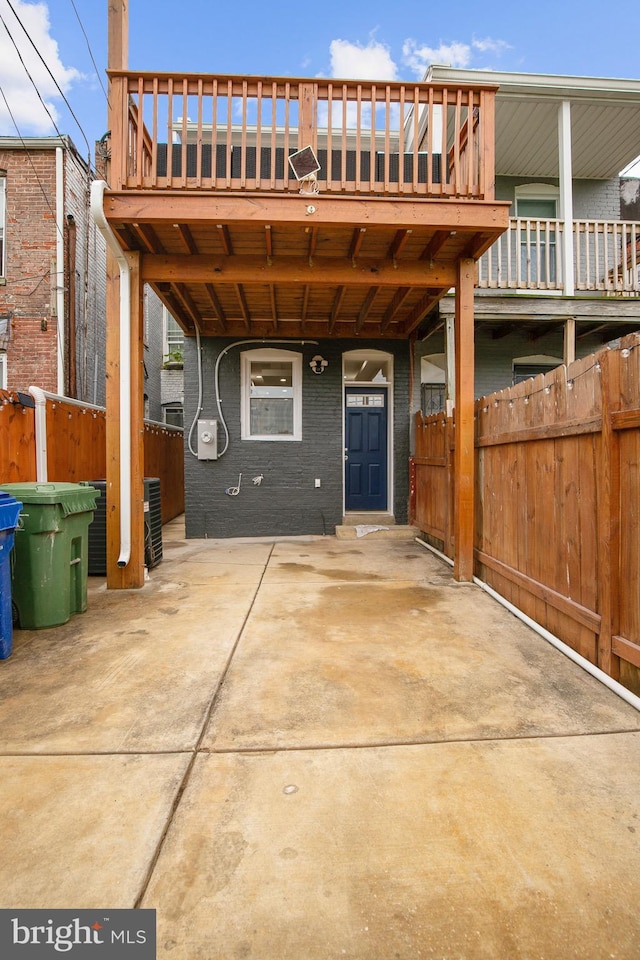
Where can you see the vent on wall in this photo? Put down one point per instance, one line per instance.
(97, 545)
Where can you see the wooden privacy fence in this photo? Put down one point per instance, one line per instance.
(557, 501)
(76, 447)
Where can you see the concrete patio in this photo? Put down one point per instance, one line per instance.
(318, 749)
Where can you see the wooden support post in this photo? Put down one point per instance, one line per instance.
(132, 574)
(464, 481)
(608, 499)
(569, 340)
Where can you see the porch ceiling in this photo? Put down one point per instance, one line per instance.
(605, 120)
(301, 265)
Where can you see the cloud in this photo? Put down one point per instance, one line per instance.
(357, 62)
(28, 112)
(488, 45)
(454, 54)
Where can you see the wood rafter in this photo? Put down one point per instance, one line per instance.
(187, 301)
(217, 306)
(366, 307)
(147, 237)
(244, 307)
(186, 237)
(336, 307)
(398, 299)
(432, 327)
(420, 311)
(356, 242)
(313, 243)
(225, 238)
(399, 241)
(435, 245)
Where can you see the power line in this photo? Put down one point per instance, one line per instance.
(59, 88)
(90, 52)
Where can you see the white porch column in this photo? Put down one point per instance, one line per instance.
(566, 194)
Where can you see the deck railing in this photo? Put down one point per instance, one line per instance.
(529, 256)
(192, 132)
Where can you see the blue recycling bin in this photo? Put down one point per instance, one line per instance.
(9, 512)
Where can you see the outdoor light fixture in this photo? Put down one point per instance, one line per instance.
(305, 166)
(318, 364)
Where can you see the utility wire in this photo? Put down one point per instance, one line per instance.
(44, 63)
(90, 52)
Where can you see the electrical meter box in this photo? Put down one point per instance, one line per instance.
(207, 439)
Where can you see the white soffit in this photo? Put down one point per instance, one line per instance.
(605, 121)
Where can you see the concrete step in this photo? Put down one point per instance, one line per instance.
(380, 519)
(374, 531)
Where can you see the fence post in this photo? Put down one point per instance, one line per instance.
(608, 514)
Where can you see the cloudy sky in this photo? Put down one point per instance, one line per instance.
(53, 53)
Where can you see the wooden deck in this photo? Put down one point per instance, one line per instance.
(234, 244)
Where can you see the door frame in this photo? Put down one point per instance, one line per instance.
(363, 384)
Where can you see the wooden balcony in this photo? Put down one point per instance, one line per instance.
(202, 187)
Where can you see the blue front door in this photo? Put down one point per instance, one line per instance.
(365, 449)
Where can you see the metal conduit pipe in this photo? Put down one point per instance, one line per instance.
(98, 188)
(621, 691)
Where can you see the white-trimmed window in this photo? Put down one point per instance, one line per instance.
(3, 371)
(3, 220)
(271, 400)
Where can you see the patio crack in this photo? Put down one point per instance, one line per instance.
(197, 748)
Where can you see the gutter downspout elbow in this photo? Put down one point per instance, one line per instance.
(41, 433)
(98, 188)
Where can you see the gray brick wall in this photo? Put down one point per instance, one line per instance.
(287, 502)
(153, 348)
(494, 358)
(90, 277)
(592, 199)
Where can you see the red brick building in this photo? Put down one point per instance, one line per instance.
(52, 271)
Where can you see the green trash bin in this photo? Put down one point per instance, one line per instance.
(50, 557)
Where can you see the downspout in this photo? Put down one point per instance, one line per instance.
(98, 188)
(41, 433)
(60, 268)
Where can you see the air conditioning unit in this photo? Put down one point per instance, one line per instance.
(97, 538)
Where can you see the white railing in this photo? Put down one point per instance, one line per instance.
(529, 256)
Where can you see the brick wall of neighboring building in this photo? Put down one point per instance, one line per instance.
(28, 294)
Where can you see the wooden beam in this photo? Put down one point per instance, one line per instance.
(223, 209)
(244, 307)
(464, 462)
(434, 324)
(188, 303)
(296, 270)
